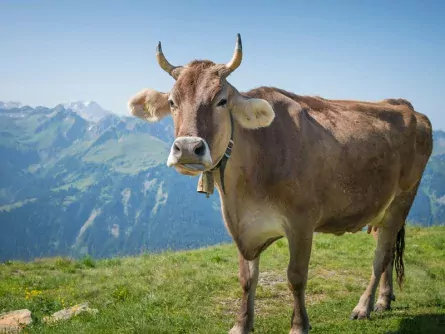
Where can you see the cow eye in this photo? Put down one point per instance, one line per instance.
(171, 103)
(222, 103)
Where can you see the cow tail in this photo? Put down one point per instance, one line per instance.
(400, 248)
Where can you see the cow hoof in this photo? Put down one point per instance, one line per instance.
(381, 307)
(359, 315)
(393, 298)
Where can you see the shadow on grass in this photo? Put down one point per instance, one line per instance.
(422, 323)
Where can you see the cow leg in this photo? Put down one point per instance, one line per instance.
(248, 277)
(382, 258)
(297, 273)
(386, 292)
(393, 222)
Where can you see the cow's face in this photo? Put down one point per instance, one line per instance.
(200, 103)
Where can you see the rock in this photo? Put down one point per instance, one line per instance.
(14, 321)
(68, 313)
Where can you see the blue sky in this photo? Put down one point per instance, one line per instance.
(57, 51)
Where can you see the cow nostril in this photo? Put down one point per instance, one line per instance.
(200, 149)
(176, 148)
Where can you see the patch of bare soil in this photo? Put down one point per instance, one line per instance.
(272, 293)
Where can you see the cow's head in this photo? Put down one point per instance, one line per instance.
(200, 103)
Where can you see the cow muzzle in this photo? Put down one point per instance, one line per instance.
(190, 155)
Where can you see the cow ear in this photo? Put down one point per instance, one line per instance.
(252, 113)
(149, 105)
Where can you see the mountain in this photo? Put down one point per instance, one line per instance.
(77, 180)
(429, 205)
(10, 105)
(69, 186)
(89, 110)
(439, 143)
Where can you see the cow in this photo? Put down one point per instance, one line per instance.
(287, 166)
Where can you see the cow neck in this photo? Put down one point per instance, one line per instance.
(206, 181)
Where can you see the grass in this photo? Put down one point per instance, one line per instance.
(198, 291)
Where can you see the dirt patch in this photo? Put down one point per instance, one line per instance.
(337, 275)
(271, 279)
(323, 273)
(272, 294)
(18, 272)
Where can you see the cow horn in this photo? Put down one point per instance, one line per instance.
(165, 65)
(233, 64)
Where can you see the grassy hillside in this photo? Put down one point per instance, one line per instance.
(198, 292)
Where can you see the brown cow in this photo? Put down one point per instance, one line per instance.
(298, 165)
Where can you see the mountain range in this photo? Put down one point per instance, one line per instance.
(77, 179)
